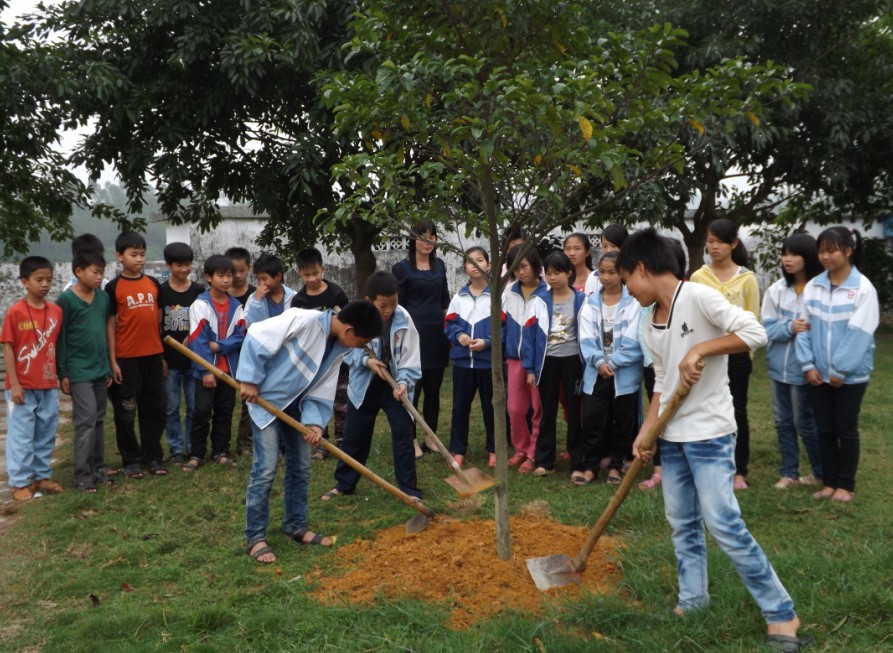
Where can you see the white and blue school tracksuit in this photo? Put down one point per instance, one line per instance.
(839, 343)
(367, 394)
(472, 370)
(610, 406)
(294, 362)
(791, 406)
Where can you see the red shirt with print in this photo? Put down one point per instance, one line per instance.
(33, 333)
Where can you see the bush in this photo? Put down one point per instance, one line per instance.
(877, 265)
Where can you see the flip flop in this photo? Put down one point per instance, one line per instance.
(298, 536)
(331, 494)
(579, 478)
(264, 550)
(787, 643)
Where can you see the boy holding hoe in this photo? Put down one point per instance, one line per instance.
(292, 361)
(691, 322)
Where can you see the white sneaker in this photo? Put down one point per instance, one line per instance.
(785, 482)
(810, 480)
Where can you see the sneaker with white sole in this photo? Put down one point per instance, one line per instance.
(785, 482)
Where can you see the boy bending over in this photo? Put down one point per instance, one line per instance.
(691, 322)
(292, 361)
(396, 351)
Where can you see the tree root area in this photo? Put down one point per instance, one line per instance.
(455, 563)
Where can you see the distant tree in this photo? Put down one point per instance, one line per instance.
(479, 115)
(37, 191)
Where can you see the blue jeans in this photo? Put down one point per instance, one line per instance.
(31, 436)
(792, 410)
(178, 434)
(267, 442)
(698, 482)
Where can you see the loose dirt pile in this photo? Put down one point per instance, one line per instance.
(455, 562)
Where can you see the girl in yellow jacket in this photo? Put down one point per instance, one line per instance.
(727, 273)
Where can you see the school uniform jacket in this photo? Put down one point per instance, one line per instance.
(204, 329)
(405, 364)
(535, 335)
(626, 359)
(257, 310)
(842, 322)
(699, 313)
(514, 315)
(781, 306)
(470, 316)
(284, 357)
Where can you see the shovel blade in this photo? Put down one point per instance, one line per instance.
(417, 523)
(477, 482)
(552, 571)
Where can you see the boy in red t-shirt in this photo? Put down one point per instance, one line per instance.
(30, 331)
(216, 332)
(137, 359)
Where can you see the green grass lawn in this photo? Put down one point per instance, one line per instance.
(164, 557)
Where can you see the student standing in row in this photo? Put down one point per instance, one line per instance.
(467, 327)
(176, 295)
(85, 372)
(241, 289)
(272, 296)
(727, 273)
(30, 331)
(137, 359)
(837, 355)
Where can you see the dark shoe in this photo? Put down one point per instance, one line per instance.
(134, 471)
(176, 459)
(788, 644)
(157, 469)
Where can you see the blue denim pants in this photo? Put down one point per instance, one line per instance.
(792, 409)
(177, 433)
(267, 442)
(698, 490)
(31, 436)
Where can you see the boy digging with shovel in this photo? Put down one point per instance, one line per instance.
(691, 322)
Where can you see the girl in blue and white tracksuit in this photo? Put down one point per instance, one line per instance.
(467, 328)
(784, 316)
(612, 376)
(522, 397)
(836, 354)
(550, 353)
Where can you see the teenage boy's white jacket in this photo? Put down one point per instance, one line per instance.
(283, 356)
(699, 313)
(405, 365)
(626, 360)
(257, 310)
(842, 322)
(781, 306)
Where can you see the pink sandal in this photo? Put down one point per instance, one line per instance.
(651, 483)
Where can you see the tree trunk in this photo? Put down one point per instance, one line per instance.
(501, 497)
(362, 235)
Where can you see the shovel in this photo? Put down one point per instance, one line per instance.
(559, 570)
(414, 525)
(466, 482)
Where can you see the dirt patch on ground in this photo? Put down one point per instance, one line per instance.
(455, 562)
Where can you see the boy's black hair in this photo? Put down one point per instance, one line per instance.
(381, 284)
(615, 233)
(679, 252)
(803, 245)
(587, 245)
(238, 254)
(218, 263)
(178, 253)
(129, 240)
(363, 317)
(84, 258)
(727, 232)
(418, 232)
(86, 241)
(649, 248)
(559, 261)
(531, 256)
(308, 258)
(31, 264)
(834, 238)
(267, 263)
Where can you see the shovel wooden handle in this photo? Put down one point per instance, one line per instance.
(579, 563)
(419, 420)
(410, 501)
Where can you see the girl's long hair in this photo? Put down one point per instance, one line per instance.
(583, 238)
(802, 245)
(840, 238)
(727, 232)
(416, 233)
